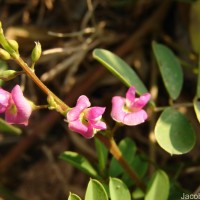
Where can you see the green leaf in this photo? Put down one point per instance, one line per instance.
(5, 127)
(95, 191)
(196, 104)
(138, 194)
(73, 197)
(170, 69)
(174, 133)
(159, 186)
(102, 154)
(194, 26)
(128, 149)
(79, 162)
(198, 80)
(140, 165)
(176, 192)
(3, 67)
(118, 190)
(120, 69)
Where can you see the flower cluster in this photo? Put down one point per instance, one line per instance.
(82, 118)
(87, 121)
(16, 107)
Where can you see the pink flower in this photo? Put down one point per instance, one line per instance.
(85, 120)
(4, 100)
(129, 110)
(16, 107)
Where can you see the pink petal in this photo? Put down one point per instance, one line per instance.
(117, 112)
(73, 114)
(130, 94)
(23, 108)
(141, 101)
(82, 103)
(135, 118)
(100, 125)
(79, 127)
(4, 100)
(94, 113)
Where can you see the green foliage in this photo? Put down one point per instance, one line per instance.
(196, 104)
(120, 69)
(73, 197)
(118, 190)
(95, 191)
(5, 127)
(158, 186)
(170, 69)
(128, 149)
(80, 162)
(102, 154)
(196, 101)
(3, 67)
(174, 132)
(137, 161)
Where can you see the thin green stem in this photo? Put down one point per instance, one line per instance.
(41, 85)
(38, 107)
(111, 145)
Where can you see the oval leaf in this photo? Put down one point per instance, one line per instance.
(159, 186)
(73, 197)
(118, 190)
(196, 104)
(170, 69)
(120, 69)
(95, 191)
(102, 154)
(79, 162)
(174, 132)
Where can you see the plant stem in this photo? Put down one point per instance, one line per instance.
(111, 145)
(41, 85)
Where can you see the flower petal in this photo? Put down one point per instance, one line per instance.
(117, 112)
(73, 114)
(141, 101)
(4, 100)
(130, 95)
(82, 103)
(94, 113)
(78, 127)
(100, 125)
(23, 107)
(135, 118)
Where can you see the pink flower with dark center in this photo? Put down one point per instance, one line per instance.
(129, 110)
(4, 100)
(85, 120)
(16, 107)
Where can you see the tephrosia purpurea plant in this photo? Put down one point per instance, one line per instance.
(124, 175)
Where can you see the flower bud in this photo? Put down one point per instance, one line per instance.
(4, 54)
(36, 53)
(13, 44)
(8, 75)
